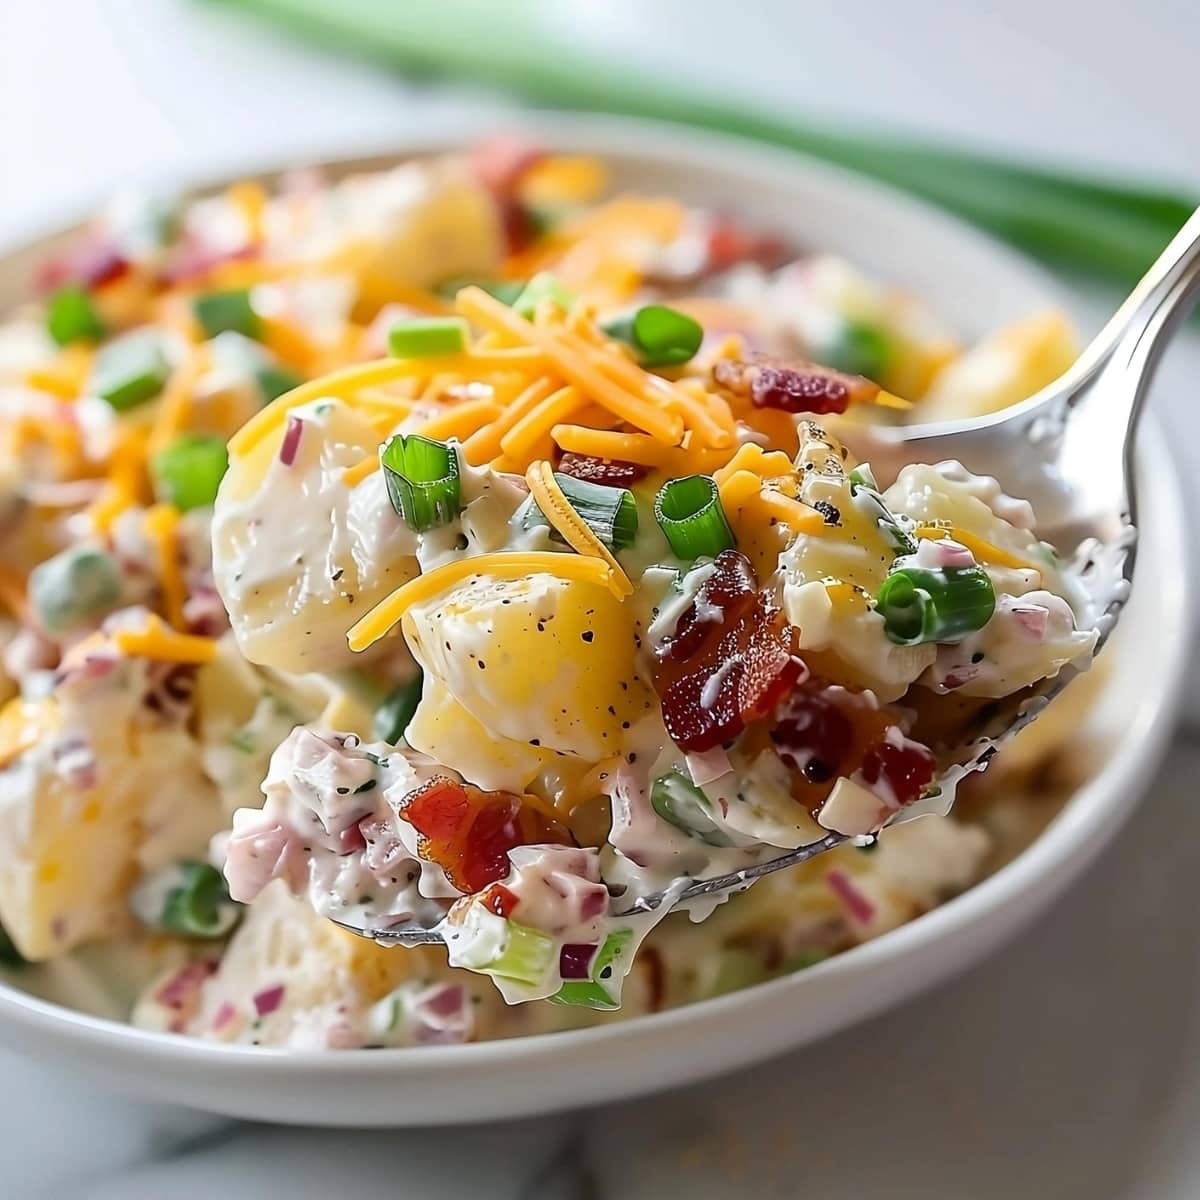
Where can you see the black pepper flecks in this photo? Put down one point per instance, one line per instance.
(829, 511)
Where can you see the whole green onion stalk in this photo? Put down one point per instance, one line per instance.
(1109, 228)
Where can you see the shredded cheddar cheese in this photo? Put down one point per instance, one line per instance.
(161, 644)
(576, 532)
(384, 616)
(162, 527)
(983, 550)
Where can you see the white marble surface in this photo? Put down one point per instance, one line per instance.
(1063, 1069)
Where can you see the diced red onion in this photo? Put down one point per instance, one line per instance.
(291, 441)
(268, 1000)
(183, 985)
(1032, 620)
(225, 1014)
(856, 903)
(575, 960)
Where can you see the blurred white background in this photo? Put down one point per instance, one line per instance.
(97, 94)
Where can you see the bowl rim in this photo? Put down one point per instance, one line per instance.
(1069, 842)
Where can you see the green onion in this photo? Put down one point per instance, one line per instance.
(504, 290)
(393, 715)
(75, 586)
(920, 605)
(863, 477)
(858, 349)
(422, 480)
(867, 497)
(72, 317)
(273, 381)
(690, 514)
(224, 312)
(526, 957)
(188, 898)
(10, 956)
(189, 471)
(542, 286)
(611, 513)
(424, 337)
(593, 993)
(681, 803)
(805, 959)
(662, 337)
(131, 371)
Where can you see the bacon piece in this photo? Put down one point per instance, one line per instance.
(607, 472)
(90, 263)
(729, 662)
(730, 244)
(468, 832)
(792, 385)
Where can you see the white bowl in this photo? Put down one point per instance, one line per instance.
(974, 281)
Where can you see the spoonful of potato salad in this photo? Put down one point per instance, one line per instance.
(657, 632)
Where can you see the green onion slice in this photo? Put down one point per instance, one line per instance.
(611, 513)
(920, 605)
(599, 992)
(681, 803)
(131, 371)
(690, 514)
(858, 349)
(188, 898)
(426, 337)
(74, 587)
(863, 477)
(273, 381)
(393, 715)
(543, 286)
(71, 316)
(189, 471)
(227, 311)
(422, 479)
(527, 955)
(505, 290)
(662, 336)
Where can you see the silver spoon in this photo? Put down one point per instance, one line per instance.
(1068, 450)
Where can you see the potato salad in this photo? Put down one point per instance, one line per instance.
(468, 546)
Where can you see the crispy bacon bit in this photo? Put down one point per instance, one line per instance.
(468, 832)
(607, 472)
(824, 731)
(499, 161)
(500, 900)
(191, 261)
(730, 661)
(90, 264)
(730, 244)
(794, 386)
(904, 768)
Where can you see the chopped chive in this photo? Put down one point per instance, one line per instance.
(504, 290)
(611, 513)
(131, 371)
(423, 337)
(227, 312)
(662, 336)
(188, 898)
(72, 317)
(73, 587)
(393, 715)
(858, 349)
(189, 471)
(274, 381)
(422, 480)
(690, 514)
(542, 286)
(920, 605)
(681, 803)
